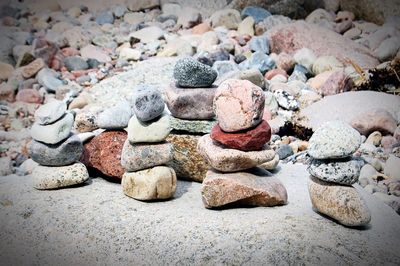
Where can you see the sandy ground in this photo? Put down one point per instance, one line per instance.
(96, 224)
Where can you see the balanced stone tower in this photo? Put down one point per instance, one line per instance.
(55, 148)
(145, 153)
(333, 171)
(236, 146)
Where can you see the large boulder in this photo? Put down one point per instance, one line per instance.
(294, 36)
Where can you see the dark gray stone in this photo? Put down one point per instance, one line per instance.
(284, 151)
(257, 13)
(60, 154)
(75, 63)
(193, 74)
(147, 102)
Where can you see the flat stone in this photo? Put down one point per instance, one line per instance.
(33, 68)
(155, 130)
(29, 96)
(95, 52)
(249, 140)
(342, 203)
(50, 112)
(334, 139)
(53, 133)
(231, 160)
(75, 63)
(271, 165)
(253, 188)
(344, 172)
(188, 162)
(192, 126)
(150, 184)
(103, 153)
(136, 157)
(46, 177)
(190, 73)
(238, 105)
(115, 117)
(148, 34)
(194, 103)
(63, 153)
(147, 102)
(375, 120)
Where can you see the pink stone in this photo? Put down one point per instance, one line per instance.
(272, 73)
(333, 82)
(69, 51)
(375, 120)
(29, 96)
(238, 105)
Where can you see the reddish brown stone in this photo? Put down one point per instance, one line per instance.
(248, 140)
(29, 96)
(103, 153)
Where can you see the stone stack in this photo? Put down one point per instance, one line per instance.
(145, 153)
(333, 171)
(190, 101)
(236, 146)
(55, 148)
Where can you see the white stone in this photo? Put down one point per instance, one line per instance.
(152, 131)
(50, 112)
(53, 133)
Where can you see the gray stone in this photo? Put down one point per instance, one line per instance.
(46, 177)
(48, 79)
(5, 166)
(259, 44)
(75, 63)
(345, 172)
(147, 102)
(223, 67)
(105, 17)
(156, 130)
(50, 112)
(334, 139)
(284, 151)
(53, 133)
(116, 117)
(63, 153)
(135, 157)
(192, 126)
(148, 34)
(392, 167)
(257, 13)
(261, 62)
(193, 74)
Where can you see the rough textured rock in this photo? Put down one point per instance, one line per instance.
(103, 153)
(228, 18)
(190, 73)
(150, 184)
(46, 177)
(153, 131)
(188, 162)
(53, 133)
(334, 139)
(50, 112)
(249, 140)
(238, 105)
(375, 120)
(254, 187)
(291, 37)
(192, 126)
(347, 105)
(231, 160)
(64, 153)
(137, 157)
(195, 103)
(341, 203)
(147, 102)
(345, 172)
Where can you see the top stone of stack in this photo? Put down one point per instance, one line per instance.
(148, 103)
(190, 73)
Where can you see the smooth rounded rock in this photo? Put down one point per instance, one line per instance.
(375, 120)
(191, 73)
(194, 103)
(334, 139)
(63, 153)
(238, 105)
(345, 172)
(392, 167)
(136, 157)
(342, 203)
(53, 133)
(155, 130)
(231, 160)
(147, 102)
(116, 117)
(248, 140)
(150, 184)
(50, 112)
(46, 177)
(257, 13)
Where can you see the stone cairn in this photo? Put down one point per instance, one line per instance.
(236, 146)
(145, 153)
(333, 171)
(190, 101)
(55, 148)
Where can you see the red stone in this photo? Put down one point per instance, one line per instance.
(272, 73)
(248, 140)
(29, 96)
(103, 153)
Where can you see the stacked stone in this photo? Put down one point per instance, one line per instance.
(190, 101)
(145, 153)
(236, 146)
(333, 171)
(55, 148)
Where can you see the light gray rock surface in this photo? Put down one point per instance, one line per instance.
(98, 223)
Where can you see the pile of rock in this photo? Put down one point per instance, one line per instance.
(333, 172)
(55, 148)
(236, 146)
(145, 153)
(190, 101)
